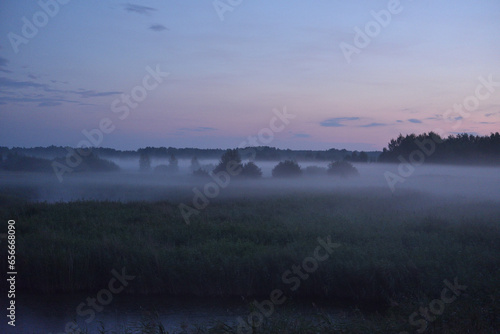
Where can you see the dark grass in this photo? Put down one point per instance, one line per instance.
(395, 253)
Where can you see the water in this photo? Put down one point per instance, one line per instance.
(50, 314)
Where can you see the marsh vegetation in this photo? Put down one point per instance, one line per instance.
(395, 250)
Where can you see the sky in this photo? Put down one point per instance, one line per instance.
(304, 74)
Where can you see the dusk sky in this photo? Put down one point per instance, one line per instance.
(229, 67)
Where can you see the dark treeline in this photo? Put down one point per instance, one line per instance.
(455, 149)
(261, 153)
(15, 161)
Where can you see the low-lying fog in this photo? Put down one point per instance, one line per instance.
(481, 183)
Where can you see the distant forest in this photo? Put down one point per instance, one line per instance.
(262, 153)
(463, 149)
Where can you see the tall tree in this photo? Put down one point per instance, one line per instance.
(195, 164)
(173, 164)
(230, 160)
(144, 162)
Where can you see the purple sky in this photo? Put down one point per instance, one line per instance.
(65, 69)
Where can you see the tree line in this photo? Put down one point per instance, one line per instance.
(262, 153)
(231, 163)
(455, 149)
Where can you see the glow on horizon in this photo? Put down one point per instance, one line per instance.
(227, 76)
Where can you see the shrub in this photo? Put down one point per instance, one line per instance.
(342, 168)
(250, 170)
(287, 168)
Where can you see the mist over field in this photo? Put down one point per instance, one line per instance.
(233, 238)
(465, 182)
(228, 227)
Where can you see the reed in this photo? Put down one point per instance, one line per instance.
(395, 251)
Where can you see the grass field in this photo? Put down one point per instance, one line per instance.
(394, 253)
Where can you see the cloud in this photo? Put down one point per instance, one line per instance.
(158, 27)
(372, 125)
(49, 104)
(339, 122)
(414, 120)
(138, 9)
(491, 114)
(6, 82)
(18, 91)
(92, 93)
(336, 122)
(56, 81)
(42, 101)
(3, 63)
(302, 135)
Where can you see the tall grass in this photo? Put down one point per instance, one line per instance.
(395, 251)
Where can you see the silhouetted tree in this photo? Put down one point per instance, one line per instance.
(342, 168)
(144, 162)
(357, 157)
(230, 160)
(93, 163)
(195, 164)
(287, 168)
(251, 170)
(173, 164)
(363, 157)
(20, 162)
(354, 156)
(462, 148)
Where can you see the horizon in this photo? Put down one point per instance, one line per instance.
(242, 147)
(184, 148)
(168, 74)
